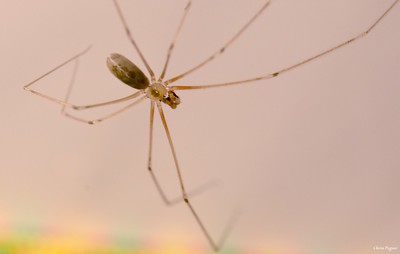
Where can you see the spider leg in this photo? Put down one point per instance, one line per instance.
(216, 246)
(167, 201)
(294, 66)
(130, 37)
(221, 50)
(65, 102)
(172, 45)
(106, 117)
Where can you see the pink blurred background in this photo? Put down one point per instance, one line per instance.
(312, 157)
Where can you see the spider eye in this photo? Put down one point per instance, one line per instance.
(126, 71)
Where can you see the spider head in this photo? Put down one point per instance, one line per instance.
(160, 92)
(172, 99)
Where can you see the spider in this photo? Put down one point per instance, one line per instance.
(161, 92)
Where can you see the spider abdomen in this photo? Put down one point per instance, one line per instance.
(126, 71)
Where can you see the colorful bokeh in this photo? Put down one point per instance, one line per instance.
(25, 239)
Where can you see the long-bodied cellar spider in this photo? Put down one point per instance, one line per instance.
(161, 91)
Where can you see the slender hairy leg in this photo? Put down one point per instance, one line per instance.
(65, 103)
(149, 167)
(228, 228)
(167, 201)
(286, 69)
(130, 37)
(71, 85)
(82, 107)
(93, 121)
(172, 45)
(221, 50)
(26, 87)
(101, 119)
